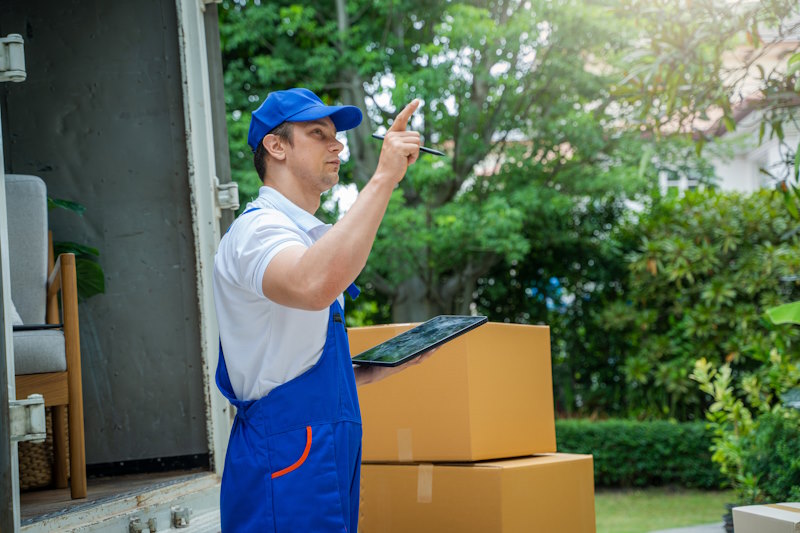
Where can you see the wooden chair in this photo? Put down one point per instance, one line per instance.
(47, 356)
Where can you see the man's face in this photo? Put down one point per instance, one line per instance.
(314, 158)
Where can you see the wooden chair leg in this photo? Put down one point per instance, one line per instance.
(77, 452)
(60, 446)
(72, 346)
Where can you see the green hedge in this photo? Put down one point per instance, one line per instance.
(629, 453)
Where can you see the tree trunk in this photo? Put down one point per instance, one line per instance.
(415, 302)
(363, 151)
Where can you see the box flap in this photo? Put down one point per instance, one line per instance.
(535, 460)
(513, 462)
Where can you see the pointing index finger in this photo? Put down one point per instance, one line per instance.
(401, 121)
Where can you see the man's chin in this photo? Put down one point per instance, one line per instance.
(330, 179)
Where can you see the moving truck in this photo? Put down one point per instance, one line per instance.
(120, 108)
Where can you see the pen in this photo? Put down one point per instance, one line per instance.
(421, 148)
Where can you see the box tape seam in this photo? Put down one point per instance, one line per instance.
(425, 483)
(783, 507)
(405, 452)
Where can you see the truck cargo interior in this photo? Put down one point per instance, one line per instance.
(104, 119)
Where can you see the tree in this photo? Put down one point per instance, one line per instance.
(694, 66)
(531, 139)
(508, 86)
(334, 52)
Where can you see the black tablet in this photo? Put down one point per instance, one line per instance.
(416, 341)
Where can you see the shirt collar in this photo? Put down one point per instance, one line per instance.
(307, 222)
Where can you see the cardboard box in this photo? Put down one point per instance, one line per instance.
(546, 494)
(771, 518)
(485, 395)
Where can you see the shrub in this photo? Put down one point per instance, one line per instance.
(707, 266)
(630, 453)
(756, 424)
(771, 458)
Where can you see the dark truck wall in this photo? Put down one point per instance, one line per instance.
(100, 119)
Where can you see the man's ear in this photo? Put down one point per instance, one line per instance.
(274, 146)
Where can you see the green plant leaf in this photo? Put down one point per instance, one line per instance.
(797, 163)
(698, 146)
(91, 280)
(791, 205)
(69, 205)
(647, 153)
(730, 124)
(80, 250)
(755, 35)
(785, 314)
(777, 127)
(89, 273)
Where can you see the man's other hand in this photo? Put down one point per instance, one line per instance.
(371, 374)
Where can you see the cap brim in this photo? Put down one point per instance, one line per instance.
(344, 117)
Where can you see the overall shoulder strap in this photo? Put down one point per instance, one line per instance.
(353, 291)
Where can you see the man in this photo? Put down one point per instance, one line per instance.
(294, 454)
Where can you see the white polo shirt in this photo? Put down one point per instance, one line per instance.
(265, 344)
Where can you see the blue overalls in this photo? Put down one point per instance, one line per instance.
(294, 456)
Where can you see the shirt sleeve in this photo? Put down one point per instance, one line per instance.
(258, 240)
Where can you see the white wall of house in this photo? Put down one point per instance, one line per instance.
(737, 157)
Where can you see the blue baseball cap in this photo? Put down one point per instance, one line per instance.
(297, 105)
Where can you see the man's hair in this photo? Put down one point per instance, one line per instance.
(284, 132)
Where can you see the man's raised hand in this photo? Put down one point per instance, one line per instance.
(400, 147)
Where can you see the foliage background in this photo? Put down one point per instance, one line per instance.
(558, 117)
(705, 268)
(519, 221)
(529, 130)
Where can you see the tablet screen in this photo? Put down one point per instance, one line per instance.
(418, 340)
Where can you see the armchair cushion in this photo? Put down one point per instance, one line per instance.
(16, 320)
(39, 351)
(26, 200)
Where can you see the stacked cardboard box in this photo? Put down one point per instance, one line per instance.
(769, 518)
(466, 440)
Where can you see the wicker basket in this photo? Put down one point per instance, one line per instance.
(36, 461)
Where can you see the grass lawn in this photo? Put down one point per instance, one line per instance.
(643, 510)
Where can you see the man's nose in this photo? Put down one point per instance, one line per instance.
(337, 146)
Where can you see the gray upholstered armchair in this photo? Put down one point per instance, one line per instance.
(47, 356)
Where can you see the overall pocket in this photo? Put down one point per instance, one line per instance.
(305, 487)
